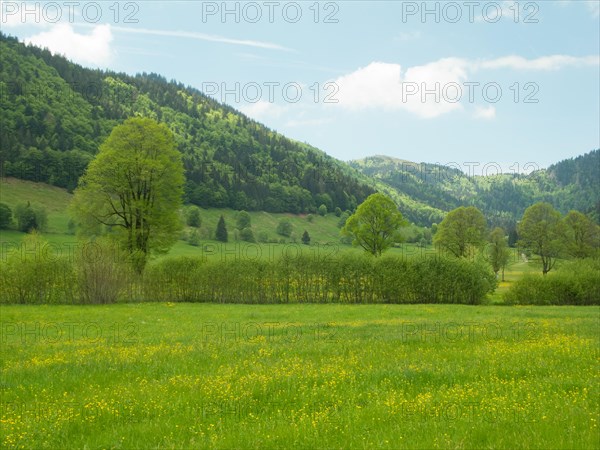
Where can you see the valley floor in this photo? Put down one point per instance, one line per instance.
(299, 376)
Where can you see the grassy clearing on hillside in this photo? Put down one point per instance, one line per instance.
(14, 191)
(307, 376)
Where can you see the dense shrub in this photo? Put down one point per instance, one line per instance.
(102, 274)
(174, 280)
(30, 217)
(31, 274)
(350, 278)
(105, 276)
(5, 216)
(247, 235)
(575, 283)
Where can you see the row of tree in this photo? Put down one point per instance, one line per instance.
(376, 223)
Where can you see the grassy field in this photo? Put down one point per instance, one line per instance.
(302, 376)
(324, 231)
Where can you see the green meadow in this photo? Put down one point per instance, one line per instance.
(176, 376)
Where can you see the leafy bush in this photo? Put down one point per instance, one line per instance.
(32, 274)
(30, 217)
(194, 238)
(103, 271)
(243, 220)
(105, 275)
(193, 218)
(247, 235)
(173, 280)
(5, 216)
(285, 228)
(575, 283)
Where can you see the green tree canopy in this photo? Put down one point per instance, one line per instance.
(461, 230)
(305, 238)
(542, 231)
(5, 216)
(30, 217)
(221, 233)
(243, 220)
(134, 187)
(582, 235)
(285, 227)
(193, 218)
(375, 224)
(497, 250)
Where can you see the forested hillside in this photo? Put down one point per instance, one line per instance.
(426, 191)
(54, 115)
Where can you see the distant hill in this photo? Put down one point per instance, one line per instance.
(426, 191)
(55, 113)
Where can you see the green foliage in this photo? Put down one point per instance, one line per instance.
(54, 137)
(193, 218)
(575, 283)
(343, 218)
(305, 238)
(5, 216)
(30, 217)
(462, 230)
(338, 211)
(247, 235)
(374, 227)
(182, 274)
(32, 274)
(194, 238)
(347, 278)
(310, 218)
(221, 232)
(243, 220)
(322, 210)
(582, 235)
(497, 250)
(425, 191)
(103, 272)
(285, 227)
(134, 186)
(542, 231)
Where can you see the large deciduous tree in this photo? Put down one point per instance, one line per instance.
(542, 231)
(134, 188)
(461, 230)
(582, 235)
(375, 224)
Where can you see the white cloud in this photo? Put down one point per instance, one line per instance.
(552, 62)
(436, 88)
(485, 113)
(90, 49)
(383, 85)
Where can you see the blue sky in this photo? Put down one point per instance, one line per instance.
(450, 82)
